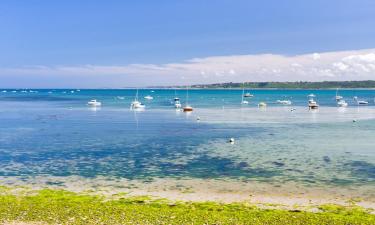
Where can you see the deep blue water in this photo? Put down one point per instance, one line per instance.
(43, 133)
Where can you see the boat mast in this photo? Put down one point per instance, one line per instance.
(187, 95)
(243, 91)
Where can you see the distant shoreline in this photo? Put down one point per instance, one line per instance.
(367, 84)
(237, 88)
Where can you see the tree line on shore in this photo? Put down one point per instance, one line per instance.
(289, 85)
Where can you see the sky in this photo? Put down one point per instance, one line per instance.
(114, 44)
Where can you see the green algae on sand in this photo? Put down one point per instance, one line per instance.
(63, 207)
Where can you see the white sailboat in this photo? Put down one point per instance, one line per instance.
(187, 107)
(360, 102)
(340, 100)
(338, 97)
(247, 94)
(244, 102)
(176, 101)
(137, 104)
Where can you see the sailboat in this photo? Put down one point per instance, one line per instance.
(360, 102)
(338, 97)
(187, 107)
(176, 101)
(340, 100)
(137, 104)
(243, 95)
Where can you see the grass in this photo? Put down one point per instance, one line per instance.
(63, 207)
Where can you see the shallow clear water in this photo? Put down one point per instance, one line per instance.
(43, 133)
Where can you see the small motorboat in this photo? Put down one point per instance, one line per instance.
(244, 102)
(360, 102)
(313, 104)
(187, 108)
(148, 97)
(94, 103)
(342, 103)
(262, 104)
(248, 95)
(338, 97)
(284, 102)
(4, 91)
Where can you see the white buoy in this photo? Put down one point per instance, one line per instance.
(231, 140)
(354, 120)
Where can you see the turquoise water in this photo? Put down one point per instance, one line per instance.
(54, 133)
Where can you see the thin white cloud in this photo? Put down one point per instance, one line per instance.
(341, 65)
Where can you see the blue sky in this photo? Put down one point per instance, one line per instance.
(54, 43)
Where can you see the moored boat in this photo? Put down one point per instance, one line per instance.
(284, 102)
(262, 104)
(187, 107)
(360, 102)
(312, 103)
(342, 103)
(94, 103)
(148, 97)
(137, 104)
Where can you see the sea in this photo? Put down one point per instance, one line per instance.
(53, 132)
